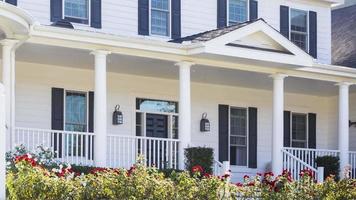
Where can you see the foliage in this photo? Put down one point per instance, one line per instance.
(331, 165)
(202, 156)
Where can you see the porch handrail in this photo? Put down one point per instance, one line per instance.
(217, 168)
(308, 149)
(53, 131)
(295, 165)
(123, 151)
(352, 161)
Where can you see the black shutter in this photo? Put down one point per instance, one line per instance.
(56, 10)
(253, 9)
(287, 129)
(95, 12)
(143, 17)
(176, 20)
(13, 2)
(222, 13)
(284, 21)
(223, 133)
(313, 34)
(312, 130)
(90, 125)
(57, 118)
(252, 137)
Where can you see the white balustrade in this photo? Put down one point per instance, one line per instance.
(69, 147)
(123, 151)
(218, 168)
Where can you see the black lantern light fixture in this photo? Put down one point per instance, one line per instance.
(352, 123)
(204, 123)
(117, 116)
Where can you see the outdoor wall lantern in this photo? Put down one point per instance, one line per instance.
(117, 116)
(351, 123)
(204, 123)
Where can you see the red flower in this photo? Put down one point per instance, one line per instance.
(239, 184)
(251, 184)
(207, 175)
(131, 170)
(268, 174)
(246, 177)
(197, 168)
(27, 158)
(259, 174)
(226, 176)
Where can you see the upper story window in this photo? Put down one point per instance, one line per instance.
(299, 28)
(299, 130)
(238, 11)
(77, 11)
(160, 17)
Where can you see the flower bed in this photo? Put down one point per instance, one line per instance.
(30, 178)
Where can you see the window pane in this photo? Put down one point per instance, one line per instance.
(76, 8)
(160, 4)
(299, 39)
(237, 11)
(299, 130)
(175, 127)
(150, 105)
(76, 112)
(159, 22)
(299, 30)
(238, 136)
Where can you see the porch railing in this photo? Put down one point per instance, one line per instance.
(295, 165)
(159, 152)
(352, 157)
(70, 147)
(309, 156)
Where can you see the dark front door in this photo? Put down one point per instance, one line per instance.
(156, 125)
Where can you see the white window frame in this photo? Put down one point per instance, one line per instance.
(306, 129)
(228, 12)
(65, 108)
(307, 26)
(169, 20)
(247, 135)
(89, 14)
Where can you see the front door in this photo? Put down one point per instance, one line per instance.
(157, 125)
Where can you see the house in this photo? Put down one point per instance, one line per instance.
(104, 81)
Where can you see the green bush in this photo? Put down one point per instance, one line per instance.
(202, 156)
(331, 165)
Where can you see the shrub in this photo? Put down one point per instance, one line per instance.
(331, 165)
(201, 156)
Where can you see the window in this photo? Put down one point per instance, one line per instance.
(299, 130)
(160, 17)
(76, 111)
(238, 136)
(237, 11)
(298, 28)
(77, 11)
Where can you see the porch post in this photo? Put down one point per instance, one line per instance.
(8, 77)
(184, 122)
(100, 108)
(277, 124)
(343, 125)
(3, 141)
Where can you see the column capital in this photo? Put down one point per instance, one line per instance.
(344, 83)
(278, 76)
(9, 42)
(184, 64)
(100, 52)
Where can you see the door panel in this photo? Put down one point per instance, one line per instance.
(157, 125)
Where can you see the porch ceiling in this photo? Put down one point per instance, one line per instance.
(66, 57)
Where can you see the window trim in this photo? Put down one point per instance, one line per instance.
(247, 135)
(228, 12)
(306, 128)
(77, 20)
(307, 26)
(65, 107)
(169, 20)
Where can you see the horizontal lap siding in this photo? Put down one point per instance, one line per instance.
(33, 98)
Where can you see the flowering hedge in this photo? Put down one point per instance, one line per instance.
(30, 177)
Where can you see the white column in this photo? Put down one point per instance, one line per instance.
(184, 122)
(2, 143)
(277, 126)
(100, 108)
(343, 125)
(8, 81)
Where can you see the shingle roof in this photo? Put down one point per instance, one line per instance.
(209, 35)
(344, 36)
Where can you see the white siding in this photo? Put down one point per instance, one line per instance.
(33, 104)
(120, 17)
